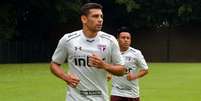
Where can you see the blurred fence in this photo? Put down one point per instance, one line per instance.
(25, 51)
(169, 45)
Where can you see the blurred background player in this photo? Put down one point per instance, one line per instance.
(126, 88)
(90, 53)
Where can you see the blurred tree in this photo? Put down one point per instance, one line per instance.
(160, 13)
(7, 19)
(34, 19)
(37, 17)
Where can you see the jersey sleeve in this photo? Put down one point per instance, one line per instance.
(60, 54)
(141, 61)
(116, 54)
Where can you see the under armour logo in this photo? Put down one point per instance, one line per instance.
(76, 48)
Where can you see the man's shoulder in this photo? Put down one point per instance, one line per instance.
(134, 50)
(70, 36)
(107, 36)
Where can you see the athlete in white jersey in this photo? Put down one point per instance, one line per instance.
(90, 53)
(126, 88)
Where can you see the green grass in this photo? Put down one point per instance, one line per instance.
(172, 82)
(165, 82)
(29, 82)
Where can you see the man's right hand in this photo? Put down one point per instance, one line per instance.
(72, 80)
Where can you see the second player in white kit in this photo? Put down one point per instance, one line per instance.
(126, 88)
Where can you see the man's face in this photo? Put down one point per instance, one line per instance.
(94, 20)
(124, 40)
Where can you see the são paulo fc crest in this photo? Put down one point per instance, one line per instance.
(128, 58)
(102, 48)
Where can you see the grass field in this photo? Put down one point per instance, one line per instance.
(165, 82)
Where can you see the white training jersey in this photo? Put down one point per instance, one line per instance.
(76, 48)
(134, 61)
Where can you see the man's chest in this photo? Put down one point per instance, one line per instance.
(130, 60)
(84, 49)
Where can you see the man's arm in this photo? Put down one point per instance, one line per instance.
(141, 73)
(117, 70)
(96, 61)
(71, 79)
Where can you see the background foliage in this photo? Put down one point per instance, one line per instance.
(35, 19)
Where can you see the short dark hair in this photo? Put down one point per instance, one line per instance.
(122, 29)
(86, 7)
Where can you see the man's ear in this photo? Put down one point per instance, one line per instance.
(84, 19)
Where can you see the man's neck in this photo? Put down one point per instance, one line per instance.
(88, 33)
(123, 49)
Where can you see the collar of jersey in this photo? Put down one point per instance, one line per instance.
(89, 39)
(126, 50)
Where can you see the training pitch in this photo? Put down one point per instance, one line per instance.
(165, 82)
